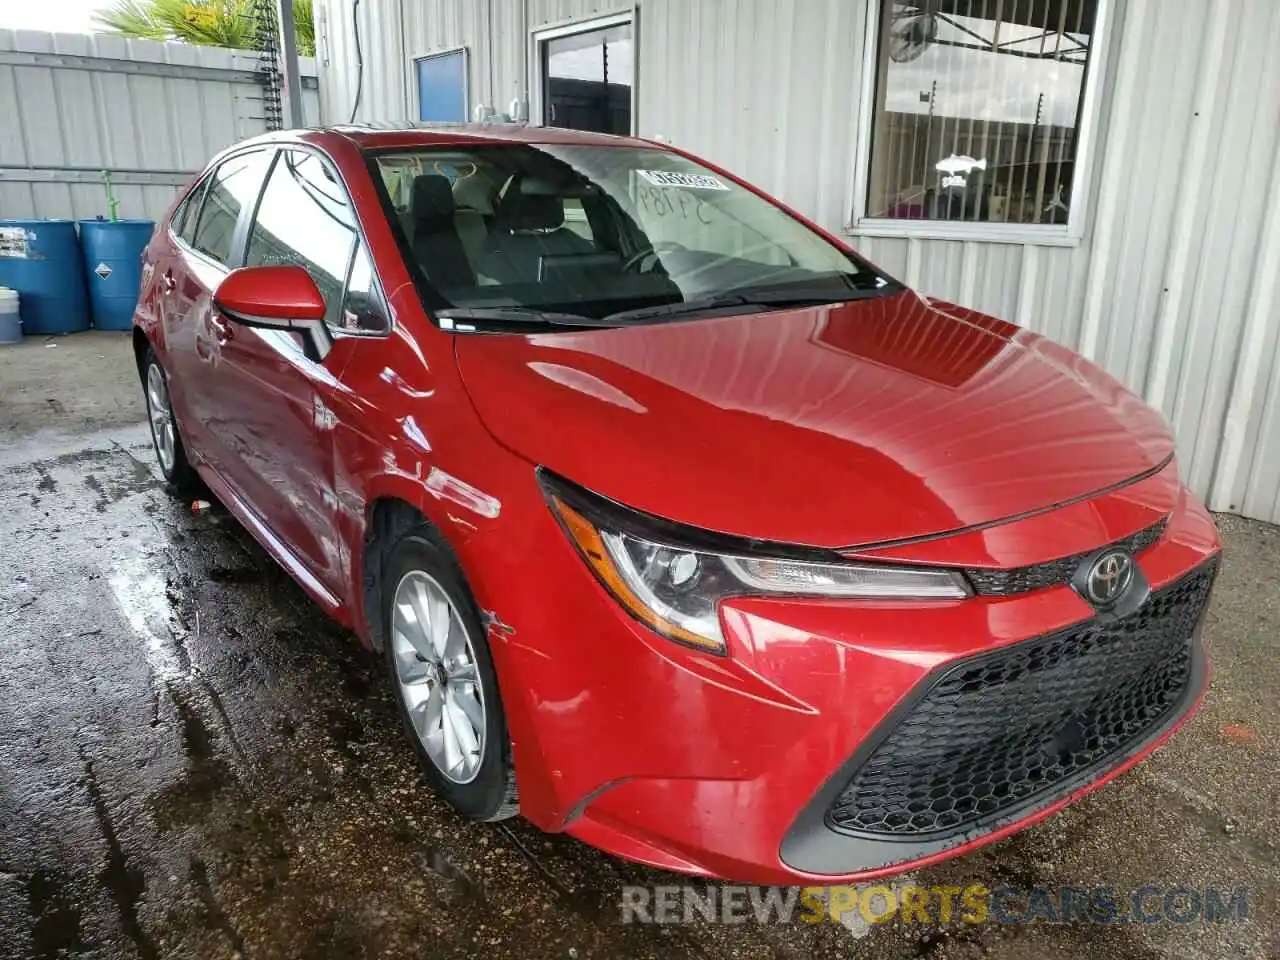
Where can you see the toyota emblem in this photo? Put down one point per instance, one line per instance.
(1108, 578)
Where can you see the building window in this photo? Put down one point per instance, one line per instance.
(977, 112)
(442, 86)
(586, 75)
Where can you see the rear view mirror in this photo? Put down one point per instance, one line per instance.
(277, 298)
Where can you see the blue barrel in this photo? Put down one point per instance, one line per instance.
(113, 268)
(10, 321)
(41, 260)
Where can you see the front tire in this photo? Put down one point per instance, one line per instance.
(442, 676)
(165, 437)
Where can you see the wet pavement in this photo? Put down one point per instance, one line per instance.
(195, 762)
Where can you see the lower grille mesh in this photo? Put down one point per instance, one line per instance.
(1000, 728)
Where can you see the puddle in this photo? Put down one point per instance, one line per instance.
(217, 917)
(142, 596)
(435, 862)
(124, 883)
(56, 913)
(234, 575)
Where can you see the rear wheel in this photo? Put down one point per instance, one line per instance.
(177, 471)
(442, 675)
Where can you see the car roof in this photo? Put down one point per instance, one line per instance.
(374, 136)
(388, 135)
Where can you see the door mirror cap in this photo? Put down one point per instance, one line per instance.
(280, 297)
(276, 298)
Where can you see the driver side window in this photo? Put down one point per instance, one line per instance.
(362, 305)
(305, 218)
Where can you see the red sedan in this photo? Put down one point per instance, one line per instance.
(681, 527)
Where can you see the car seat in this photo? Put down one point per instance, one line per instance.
(528, 225)
(473, 197)
(436, 245)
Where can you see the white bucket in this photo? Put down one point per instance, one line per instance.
(10, 322)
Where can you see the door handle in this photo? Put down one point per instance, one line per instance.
(170, 284)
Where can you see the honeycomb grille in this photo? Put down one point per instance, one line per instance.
(1003, 727)
(1002, 583)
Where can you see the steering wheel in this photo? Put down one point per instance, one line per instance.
(662, 246)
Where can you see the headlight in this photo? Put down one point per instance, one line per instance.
(676, 588)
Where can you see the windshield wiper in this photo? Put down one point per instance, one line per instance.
(464, 319)
(763, 299)
(460, 318)
(679, 308)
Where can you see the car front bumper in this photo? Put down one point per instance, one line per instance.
(729, 766)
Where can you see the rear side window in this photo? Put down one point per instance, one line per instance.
(305, 218)
(233, 186)
(183, 221)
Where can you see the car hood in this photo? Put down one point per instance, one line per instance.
(846, 425)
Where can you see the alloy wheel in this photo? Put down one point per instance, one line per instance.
(161, 416)
(437, 676)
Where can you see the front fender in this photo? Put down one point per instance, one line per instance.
(489, 532)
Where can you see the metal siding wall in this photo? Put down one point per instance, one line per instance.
(152, 132)
(394, 32)
(1175, 287)
(1242, 181)
(1255, 490)
(1195, 167)
(888, 253)
(431, 27)
(1247, 477)
(763, 88)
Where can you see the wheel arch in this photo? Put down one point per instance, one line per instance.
(386, 519)
(389, 514)
(395, 504)
(141, 344)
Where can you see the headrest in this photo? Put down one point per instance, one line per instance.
(432, 196)
(523, 211)
(474, 193)
(537, 187)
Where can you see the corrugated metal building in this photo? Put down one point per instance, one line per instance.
(1114, 177)
(73, 105)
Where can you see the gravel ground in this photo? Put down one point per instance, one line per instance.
(194, 762)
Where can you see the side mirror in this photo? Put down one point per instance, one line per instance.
(276, 298)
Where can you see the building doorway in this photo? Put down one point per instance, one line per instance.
(586, 75)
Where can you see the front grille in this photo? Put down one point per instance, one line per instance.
(1002, 583)
(1001, 728)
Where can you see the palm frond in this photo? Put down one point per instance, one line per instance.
(304, 27)
(218, 23)
(131, 18)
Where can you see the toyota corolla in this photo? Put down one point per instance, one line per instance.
(680, 527)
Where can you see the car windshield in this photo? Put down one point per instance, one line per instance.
(605, 234)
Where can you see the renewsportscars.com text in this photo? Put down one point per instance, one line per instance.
(908, 903)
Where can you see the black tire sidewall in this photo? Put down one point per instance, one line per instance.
(484, 796)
